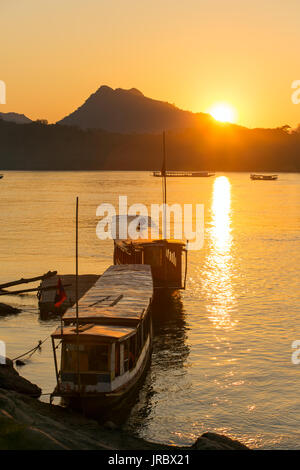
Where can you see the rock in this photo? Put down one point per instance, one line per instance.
(11, 380)
(27, 423)
(8, 310)
(110, 425)
(213, 441)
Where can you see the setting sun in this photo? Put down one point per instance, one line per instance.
(223, 112)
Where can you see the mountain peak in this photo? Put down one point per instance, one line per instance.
(128, 111)
(132, 91)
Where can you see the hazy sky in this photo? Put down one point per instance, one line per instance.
(193, 53)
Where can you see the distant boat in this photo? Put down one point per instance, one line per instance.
(184, 173)
(263, 177)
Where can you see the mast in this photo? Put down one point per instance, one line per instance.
(164, 181)
(76, 294)
(76, 279)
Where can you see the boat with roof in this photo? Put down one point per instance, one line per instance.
(167, 257)
(106, 341)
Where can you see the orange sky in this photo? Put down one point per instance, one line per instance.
(55, 53)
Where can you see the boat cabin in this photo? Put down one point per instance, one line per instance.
(164, 256)
(107, 348)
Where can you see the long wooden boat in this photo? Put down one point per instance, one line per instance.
(106, 344)
(183, 174)
(263, 177)
(164, 256)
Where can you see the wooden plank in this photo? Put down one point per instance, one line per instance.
(131, 285)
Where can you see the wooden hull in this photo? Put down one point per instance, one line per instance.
(115, 404)
(184, 174)
(164, 257)
(264, 177)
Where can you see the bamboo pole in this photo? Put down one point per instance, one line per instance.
(164, 187)
(76, 294)
(34, 289)
(32, 279)
(76, 281)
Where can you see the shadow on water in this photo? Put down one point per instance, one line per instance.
(169, 330)
(170, 353)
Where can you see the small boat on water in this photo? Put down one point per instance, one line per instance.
(184, 174)
(106, 342)
(263, 177)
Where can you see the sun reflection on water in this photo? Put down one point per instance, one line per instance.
(218, 266)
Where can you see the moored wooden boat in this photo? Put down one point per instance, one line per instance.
(183, 174)
(106, 348)
(254, 176)
(164, 256)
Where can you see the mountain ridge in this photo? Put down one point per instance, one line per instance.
(130, 112)
(15, 117)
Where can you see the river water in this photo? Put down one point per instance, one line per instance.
(222, 348)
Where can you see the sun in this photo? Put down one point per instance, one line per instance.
(223, 112)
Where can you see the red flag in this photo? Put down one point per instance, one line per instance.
(60, 294)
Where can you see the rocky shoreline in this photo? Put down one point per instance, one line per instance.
(27, 423)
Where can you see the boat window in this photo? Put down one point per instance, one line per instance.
(132, 352)
(70, 357)
(126, 355)
(146, 327)
(117, 360)
(98, 357)
(91, 357)
(139, 340)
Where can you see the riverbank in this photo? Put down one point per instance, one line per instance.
(27, 423)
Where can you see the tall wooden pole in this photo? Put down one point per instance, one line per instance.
(164, 186)
(76, 278)
(76, 294)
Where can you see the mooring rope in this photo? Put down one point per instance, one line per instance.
(33, 350)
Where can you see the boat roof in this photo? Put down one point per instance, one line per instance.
(148, 242)
(109, 333)
(122, 295)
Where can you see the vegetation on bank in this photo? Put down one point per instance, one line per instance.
(210, 146)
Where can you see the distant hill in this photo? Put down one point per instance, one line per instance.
(15, 117)
(129, 111)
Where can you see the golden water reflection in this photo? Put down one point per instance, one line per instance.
(219, 263)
